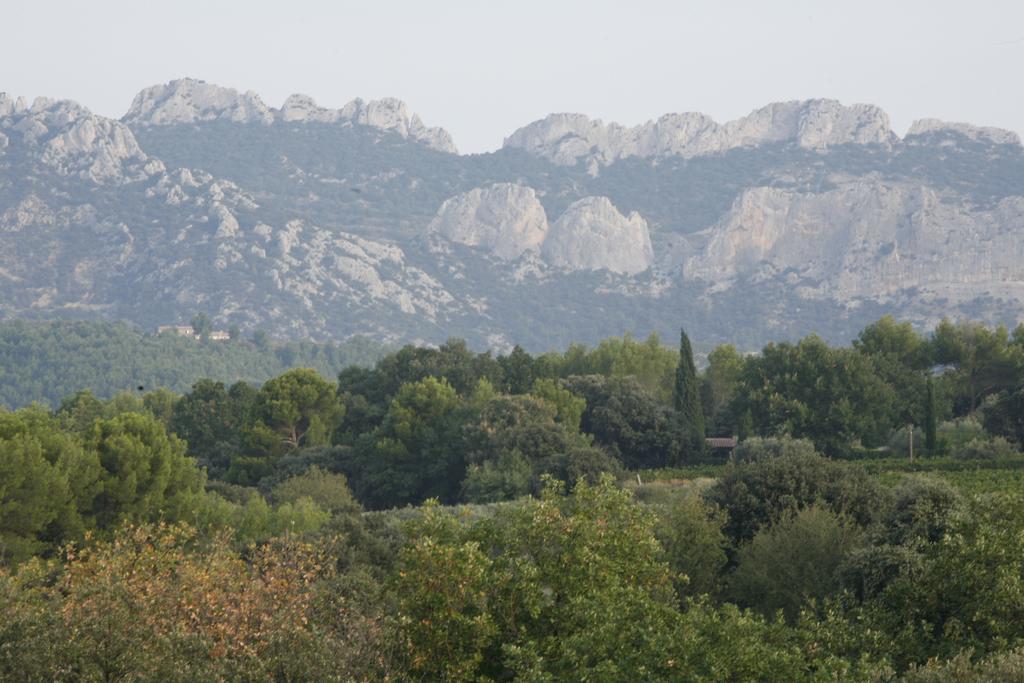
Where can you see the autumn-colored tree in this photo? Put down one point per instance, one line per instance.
(157, 603)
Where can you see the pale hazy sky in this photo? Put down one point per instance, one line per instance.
(482, 69)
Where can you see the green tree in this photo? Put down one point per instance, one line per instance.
(416, 453)
(793, 561)
(327, 489)
(145, 474)
(160, 404)
(506, 476)
(720, 383)
(923, 510)
(968, 593)
(443, 586)
(261, 340)
(512, 435)
(202, 326)
(931, 429)
(899, 340)
(78, 411)
(627, 420)
(984, 359)
(518, 370)
(1004, 416)
(755, 494)
(33, 495)
(695, 546)
(832, 396)
(687, 393)
(298, 408)
(568, 406)
(212, 423)
(48, 485)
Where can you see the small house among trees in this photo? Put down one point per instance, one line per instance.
(192, 333)
(180, 330)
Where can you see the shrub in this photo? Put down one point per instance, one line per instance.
(985, 449)
(793, 561)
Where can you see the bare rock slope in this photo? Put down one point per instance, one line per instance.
(188, 100)
(816, 124)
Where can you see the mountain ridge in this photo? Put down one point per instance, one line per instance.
(806, 216)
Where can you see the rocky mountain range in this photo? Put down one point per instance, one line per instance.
(322, 223)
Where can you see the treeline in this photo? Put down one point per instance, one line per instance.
(46, 361)
(224, 534)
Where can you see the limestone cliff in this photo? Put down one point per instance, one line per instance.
(593, 235)
(505, 219)
(866, 239)
(508, 221)
(567, 139)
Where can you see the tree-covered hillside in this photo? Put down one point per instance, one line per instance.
(45, 362)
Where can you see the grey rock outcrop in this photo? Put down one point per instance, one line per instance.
(71, 140)
(865, 239)
(508, 220)
(566, 139)
(984, 134)
(188, 100)
(593, 235)
(324, 237)
(505, 219)
(387, 114)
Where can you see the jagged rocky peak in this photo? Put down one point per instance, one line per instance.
(388, 114)
(71, 140)
(813, 124)
(984, 134)
(10, 105)
(506, 219)
(392, 114)
(304, 108)
(593, 235)
(567, 138)
(816, 124)
(188, 100)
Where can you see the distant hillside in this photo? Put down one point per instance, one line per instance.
(46, 362)
(314, 223)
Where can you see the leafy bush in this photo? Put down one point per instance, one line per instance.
(759, 493)
(985, 449)
(793, 561)
(761, 448)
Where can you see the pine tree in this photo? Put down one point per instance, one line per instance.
(930, 428)
(687, 393)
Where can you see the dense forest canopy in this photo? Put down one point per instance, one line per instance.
(46, 361)
(442, 514)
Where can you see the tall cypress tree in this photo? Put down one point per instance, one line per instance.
(931, 437)
(687, 393)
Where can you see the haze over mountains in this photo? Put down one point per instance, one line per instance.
(313, 222)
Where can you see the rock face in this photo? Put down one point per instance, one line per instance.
(566, 139)
(70, 140)
(508, 221)
(188, 100)
(505, 219)
(387, 114)
(314, 226)
(191, 101)
(865, 239)
(983, 134)
(593, 235)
